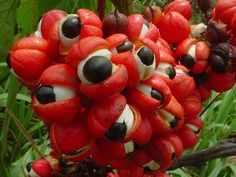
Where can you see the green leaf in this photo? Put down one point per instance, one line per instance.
(233, 168)
(8, 22)
(25, 18)
(45, 5)
(178, 173)
(4, 72)
(218, 166)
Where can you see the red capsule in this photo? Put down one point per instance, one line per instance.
(71, 147)
(131, 171)
(29, 58)
(225, 11)
(165, 149)
(192, 104)
(47, 21)
(113, 119)
(72, 28)
(153, 92)
(221, 82)
(168, 119)
(139, 28)
(188, 133)
(171, 25)
(153, 14)
(181, 6)
(193, 54)
(183, 84)
(57, 99)
(100, 78)
(113, 153)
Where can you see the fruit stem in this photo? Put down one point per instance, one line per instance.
(101, 8)
(124, 6)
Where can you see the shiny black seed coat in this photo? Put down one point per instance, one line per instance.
(174, 123)
(71, 27)
(157, 95)
(116, 132)
(45, 94)
(188, 61)
(97, 69)
(171, 72)
(146, 56)
(126, 46)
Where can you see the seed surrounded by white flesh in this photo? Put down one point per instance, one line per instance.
(151, 92)
(69, 30)
(103, 53)
(146, 62)
(124, 47)
(48, 94)
(192, 127)
(189, 59)
(144, 29)
(168, 118)
(122, 126)
(166, 70)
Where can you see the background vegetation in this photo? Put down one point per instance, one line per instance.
(18, 18)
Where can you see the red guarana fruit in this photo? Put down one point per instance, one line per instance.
(174, 27)
(181, 6)
(152, 14)
(225, 11)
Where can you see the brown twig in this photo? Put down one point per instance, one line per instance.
(222, 149)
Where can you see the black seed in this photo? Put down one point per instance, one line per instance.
(8, 61)
(200, 79)
(147, 169)
(218, 64)
(157, 95)
(29, 166)
(171, 72)
(124, 91)
(71, 27)
(139, 147)
(146, 23)
(174, 123)
(172, 155)
(146, 56)
(126, 46)
(97, 69)
(188, 61)
(45, 94)
(222, 49)
(116, 131)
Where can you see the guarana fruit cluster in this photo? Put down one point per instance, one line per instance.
(124, 93)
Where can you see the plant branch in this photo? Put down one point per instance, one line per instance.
(24, 132)
(222, 149)
(210, 104)
(101, 8)
(124, 6)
